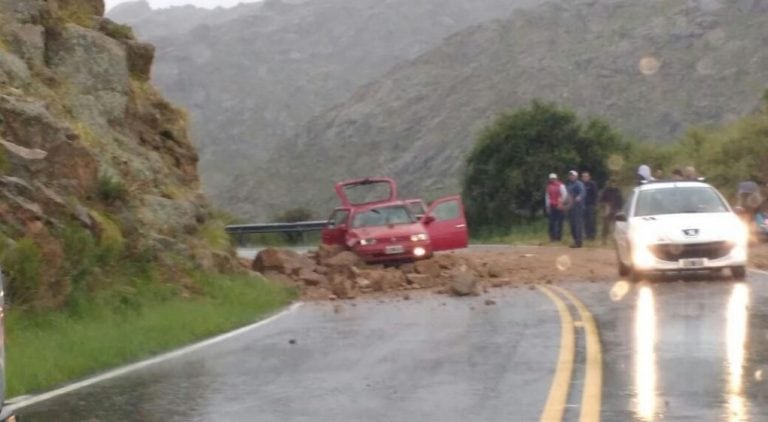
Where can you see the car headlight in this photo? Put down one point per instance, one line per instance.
(418, 237)
(642, 257)
(366, 242)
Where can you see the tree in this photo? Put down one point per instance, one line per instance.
(507, 170)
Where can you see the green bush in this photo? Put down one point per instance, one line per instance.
(80, 251)
(507, 170)
(214, 234)
(23, 263)
(111, 242)
(111, 189)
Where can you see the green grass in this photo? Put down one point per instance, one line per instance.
(48, 349)
(532, 234)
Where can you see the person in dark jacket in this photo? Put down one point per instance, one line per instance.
(590, 205)
(611, 201)
(554, 199)
(576, 195)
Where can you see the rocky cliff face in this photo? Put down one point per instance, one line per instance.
(252, 75)
(651, 69)
(91, 156)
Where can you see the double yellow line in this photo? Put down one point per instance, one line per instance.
(591, 397)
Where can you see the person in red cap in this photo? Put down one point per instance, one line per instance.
(554, 199)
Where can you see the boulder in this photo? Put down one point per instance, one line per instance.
(325, 252)
(311, 278)
(392, 279)
(282, 260)
(343, 259)
(494, 270)
(447, 261)
(140, 56)
(463, 283)
(421, 280)
(428, 267)
(89, 60)
(343, 287)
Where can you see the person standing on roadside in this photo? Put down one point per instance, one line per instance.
(576, 194)
(554, 199)
(590, 205)
(611, 201)
(644, 174)
(690, 173)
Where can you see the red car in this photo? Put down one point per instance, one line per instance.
(377, 226)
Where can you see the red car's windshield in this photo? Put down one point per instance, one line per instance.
(383, 216)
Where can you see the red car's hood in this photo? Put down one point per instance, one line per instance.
(379, 232)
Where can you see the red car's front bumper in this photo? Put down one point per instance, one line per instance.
(403, 251)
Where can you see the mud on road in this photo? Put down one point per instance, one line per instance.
(329, 273)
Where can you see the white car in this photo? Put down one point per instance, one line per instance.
(679, 226)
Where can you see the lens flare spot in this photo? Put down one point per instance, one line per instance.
(619, 290)
(563, 262)
(759, 375)
(615, 162)
(648, 65)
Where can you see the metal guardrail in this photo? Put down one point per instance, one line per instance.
(294, 232)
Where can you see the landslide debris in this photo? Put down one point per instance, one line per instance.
(330, 272)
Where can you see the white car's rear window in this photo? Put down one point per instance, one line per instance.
(679, 200)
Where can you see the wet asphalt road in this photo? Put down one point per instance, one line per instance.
(673, 350)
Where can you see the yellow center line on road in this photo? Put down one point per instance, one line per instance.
(554, 409)
(593, 379)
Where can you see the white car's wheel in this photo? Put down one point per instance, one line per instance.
(624, 269)
(739, 273)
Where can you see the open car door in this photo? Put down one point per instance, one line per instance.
(366, 191)
(446, 224)
(335, 231)
(417, 208)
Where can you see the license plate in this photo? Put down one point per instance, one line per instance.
(692, 263)
(391, 250)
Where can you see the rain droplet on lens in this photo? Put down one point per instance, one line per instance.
(615, 162)
(648, 65)
(619, 290)
(759, 375)
(563, 262)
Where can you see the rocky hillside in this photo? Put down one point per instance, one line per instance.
(98, 172)
(252, 80)
(650, 68)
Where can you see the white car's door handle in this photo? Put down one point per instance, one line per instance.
(461, 226)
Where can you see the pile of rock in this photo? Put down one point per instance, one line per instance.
(335, 273)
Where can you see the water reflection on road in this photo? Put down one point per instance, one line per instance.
(736, 335)
(645, 355)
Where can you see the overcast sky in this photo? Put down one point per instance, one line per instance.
(157, 4)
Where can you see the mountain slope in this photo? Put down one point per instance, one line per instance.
(253, 80)
(650, 68)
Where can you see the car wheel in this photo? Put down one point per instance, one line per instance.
(636, 275)
(739, 273)
(624, 269)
